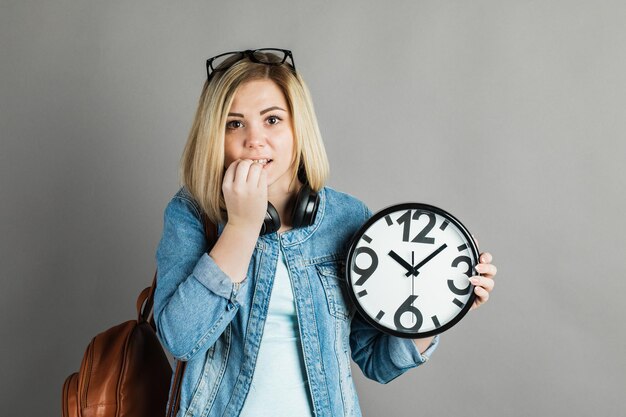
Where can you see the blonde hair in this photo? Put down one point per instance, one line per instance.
(202, 162)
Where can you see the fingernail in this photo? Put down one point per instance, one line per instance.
(477, 268)
(474, 281)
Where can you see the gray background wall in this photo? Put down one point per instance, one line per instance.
(509, 114)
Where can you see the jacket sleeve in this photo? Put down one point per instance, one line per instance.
(380, 356)
(194, 299)
(384, 357)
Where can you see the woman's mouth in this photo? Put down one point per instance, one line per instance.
(264, 162)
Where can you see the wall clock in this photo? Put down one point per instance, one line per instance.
(408, 270)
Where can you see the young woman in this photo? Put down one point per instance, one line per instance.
(262, 319)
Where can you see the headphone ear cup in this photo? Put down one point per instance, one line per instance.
(305, 208)
(271, 223)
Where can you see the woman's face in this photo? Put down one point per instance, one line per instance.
(258, 127)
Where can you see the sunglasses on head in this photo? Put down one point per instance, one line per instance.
(267, 56)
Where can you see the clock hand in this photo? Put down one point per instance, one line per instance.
(402, 262)
(428, 258)
(412, 282)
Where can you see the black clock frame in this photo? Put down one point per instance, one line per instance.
(381, 214)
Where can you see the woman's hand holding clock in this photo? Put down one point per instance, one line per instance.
(483, 283)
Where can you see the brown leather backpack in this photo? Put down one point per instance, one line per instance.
(124, 371)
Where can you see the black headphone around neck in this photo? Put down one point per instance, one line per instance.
(302, 215)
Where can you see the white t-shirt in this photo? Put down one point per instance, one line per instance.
(279, 384)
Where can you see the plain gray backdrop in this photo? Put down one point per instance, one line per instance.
(509, 114)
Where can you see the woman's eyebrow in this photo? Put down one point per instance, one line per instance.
(262, 112)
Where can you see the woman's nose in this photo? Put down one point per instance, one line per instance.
(255, 137)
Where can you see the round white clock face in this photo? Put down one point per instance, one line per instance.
(408, 270)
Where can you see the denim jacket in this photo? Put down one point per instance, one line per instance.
(216, 325)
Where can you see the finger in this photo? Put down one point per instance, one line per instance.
(486, 283)
(262, 180)
(229, 175)
(254, 173)
(482, 294)
(241, 174)
(487, 270)
(486, 258)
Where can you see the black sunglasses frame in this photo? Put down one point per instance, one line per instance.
(248, 53)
